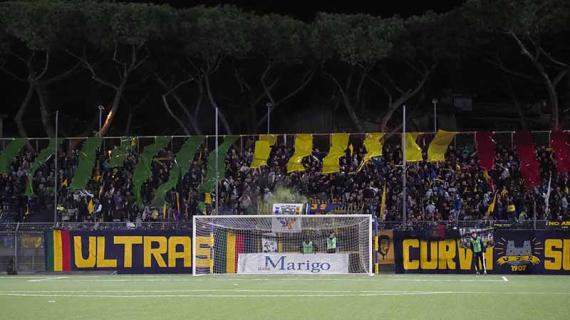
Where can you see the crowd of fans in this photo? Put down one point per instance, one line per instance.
(454, 190)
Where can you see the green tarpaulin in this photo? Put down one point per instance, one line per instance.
(86, 162)
(42, 157)
(120, 152)
(10, 153)
(183, 159)
(210, 182)
(143, 168)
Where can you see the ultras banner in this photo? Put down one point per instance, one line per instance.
(512, 251)
(125, 251)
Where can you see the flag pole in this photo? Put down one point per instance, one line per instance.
(547, 196)
(404, 182)
(55, 180)
(217, 174)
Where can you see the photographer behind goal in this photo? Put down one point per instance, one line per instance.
(478, 247)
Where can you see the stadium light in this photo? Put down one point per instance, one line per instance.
(101, 108)
(434, 101)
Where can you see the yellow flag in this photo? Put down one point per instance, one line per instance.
(90, 206)
(413, 151)
(262, 150)
(271, 138)
(303, 148)
(64, 183)
(164, 211)
(373, 144)
(439, 145)
(207, 198)
(491, 207)
(383, 203)
(339, 142)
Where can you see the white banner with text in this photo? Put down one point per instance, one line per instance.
(293, 263)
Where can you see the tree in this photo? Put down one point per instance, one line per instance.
(34, 32)
(271, 73)
(115, 44)
(537, 29)
(209, 36)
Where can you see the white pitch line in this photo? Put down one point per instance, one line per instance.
(287, 295)
(47, 279)
(505, 279)
(447, 280)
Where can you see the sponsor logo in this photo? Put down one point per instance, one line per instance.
(282, 264)
(518, 256)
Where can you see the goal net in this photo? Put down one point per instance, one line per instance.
(282, 244)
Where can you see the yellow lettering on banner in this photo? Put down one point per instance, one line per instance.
(465, 258)
(553, 254)
(566, 255)
(102, 262)
(79, 261)
(173, 255)
(128, 242)
(203, 253)
(407, 244)
(157, 252)
(447, 249)
(428, 258)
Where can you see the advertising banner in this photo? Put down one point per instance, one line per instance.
(285, 224)
(386, 247)
(506, 252)
(288, 208)
(292, 263)
(124, 251)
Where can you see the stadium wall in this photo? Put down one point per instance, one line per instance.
(513, 252)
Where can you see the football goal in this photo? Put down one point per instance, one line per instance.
(282, 244)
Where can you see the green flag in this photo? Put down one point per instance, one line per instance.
(143, 168)
(10, 154)
(210, 182)
(120, 152)
(42, 157)
(181, 165)
(86, 163)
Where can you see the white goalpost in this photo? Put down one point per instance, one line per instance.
(282, 244)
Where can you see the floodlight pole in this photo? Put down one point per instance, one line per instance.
(404, 182)
(55, 180)
(217, 173)
(434, 101)
(100, 107)
(269, 105)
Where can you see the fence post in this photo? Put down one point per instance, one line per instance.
(534, 214)
(16, 247)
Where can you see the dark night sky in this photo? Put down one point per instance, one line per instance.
(306, 9)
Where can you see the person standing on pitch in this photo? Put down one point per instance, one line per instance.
(331, 243)
(477, 247)
(307, 247)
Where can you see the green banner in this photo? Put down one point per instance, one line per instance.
(181, 165)
(86, 163)
(143, 168)
(10, 153)
(42, 157)
(120, 152)
(210, 182)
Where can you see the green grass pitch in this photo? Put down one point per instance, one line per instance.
(284, 297)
